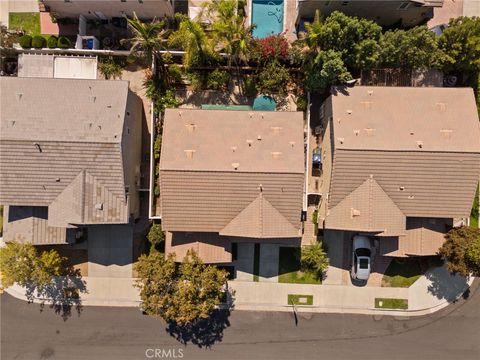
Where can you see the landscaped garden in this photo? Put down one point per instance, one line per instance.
(27, 22)
(388, 303)
(403, 272)
(304, 265)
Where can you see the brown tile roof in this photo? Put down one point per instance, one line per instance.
(210, 247)
(224, 140)
(424, 236)
(64, 154)
(406, 119)
(27, 224)
(202, 191)
(421, 145)
(367, 209)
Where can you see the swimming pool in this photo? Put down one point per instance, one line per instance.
(268, 17)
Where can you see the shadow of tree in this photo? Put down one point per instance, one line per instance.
(203, 333)
(62, 294)
(446, 285)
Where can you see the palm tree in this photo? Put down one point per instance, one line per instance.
(191, 37)
(147, 37)
(230, 32)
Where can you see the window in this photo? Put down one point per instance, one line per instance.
(404, 6)
(234, 251)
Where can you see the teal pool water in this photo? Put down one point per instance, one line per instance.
(267, 15)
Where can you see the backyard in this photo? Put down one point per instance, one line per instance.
(289, 270)
(403, 272)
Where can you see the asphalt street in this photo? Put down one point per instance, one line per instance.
(27, 332)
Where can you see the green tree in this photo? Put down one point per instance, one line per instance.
(146, 38)
(472, 256)
(155, 236)
(355, 40)
(460, 242)
(20, 263)
(230, 32)
(314, 259)
(273, 78)
(415, 48)
(191, 37)
(180, 294)
(110, 67)
(460, 42)
(325, 70)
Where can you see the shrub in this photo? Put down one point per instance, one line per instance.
(250, 86)
(64, 42)
(25, 41)
(217, 79)
(157, 146)
(52, 42)
(302, 103)
(156, 191)
(274, 47)
(111, 67)
(155, 236)
(39, 42)
(314, 259)
(273, 79)
(175, 73)
(197, 81)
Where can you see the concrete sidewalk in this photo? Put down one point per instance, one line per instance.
(433, 291)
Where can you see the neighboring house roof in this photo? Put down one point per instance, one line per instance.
(215, 164)
(421, 145)
(26, 224)
(64, 152)
(367, 209)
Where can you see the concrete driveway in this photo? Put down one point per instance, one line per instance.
(110, 251)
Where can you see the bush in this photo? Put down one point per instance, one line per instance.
(64, 42)
(273, 79)
(156, 191)
(250, 86)
(52, 42)
(111, 67)
(175, 73)
(155, 236)
(217, 79)
(25, 41)
(197, 81)
(302, 103)
(39, 42)
(314, 259)
(274, 47)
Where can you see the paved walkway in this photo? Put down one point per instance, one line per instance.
(433, 291)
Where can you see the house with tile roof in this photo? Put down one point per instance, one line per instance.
(399, 164)
(228, 177)
(70, 156)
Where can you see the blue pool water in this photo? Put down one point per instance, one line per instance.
(268, 16)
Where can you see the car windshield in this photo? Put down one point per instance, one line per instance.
(363, 263)
(362, 252)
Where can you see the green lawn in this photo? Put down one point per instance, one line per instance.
(473, 222)
(403, 272)
(386, 303)
(29, 22)
(294, 299)
(289, 268)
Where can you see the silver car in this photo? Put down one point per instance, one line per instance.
(361, 262)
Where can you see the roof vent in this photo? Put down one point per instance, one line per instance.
(276, 129)
(12, 123)
(250, 114)
(369, 131)
(259, 137)
(99, 206)
(19, 96)
(370, 92)
(411, 197)
(441, 106)
(341, 140)
(93, 99)
(276, 154)
(57, 180)
(420, 144)
(412, 133)
(235, 166)
(191, 127)
(292, 143)
(234, 148)
(356, 132)
(355, 212)
(367, 104)
(349, 111)
(447, 133)
(180, 113)
(401, 188)
(189, 153)
(249, 142)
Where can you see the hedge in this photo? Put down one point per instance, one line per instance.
(64, 42)
(39, 42)
(25, 41)
(52, 42)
